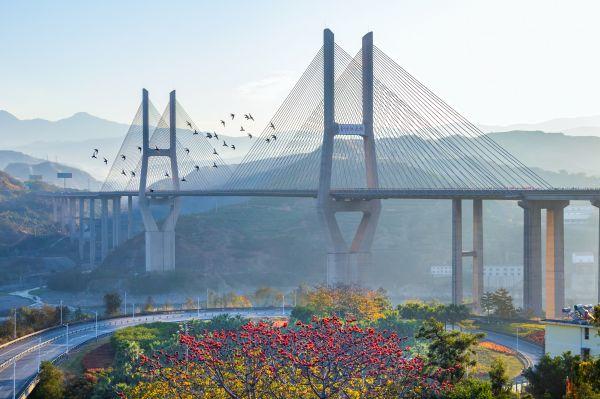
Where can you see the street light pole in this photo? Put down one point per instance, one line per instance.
(61, 316)
(96, 324)
(14, 377)
(133, 310)
(67, 325)
(125, 303)
(39, 353)
(15, 326)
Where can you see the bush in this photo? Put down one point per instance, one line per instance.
(51, 385)
(471, 389)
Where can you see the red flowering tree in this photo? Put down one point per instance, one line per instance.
(327, 358)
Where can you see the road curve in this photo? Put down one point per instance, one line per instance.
(23, 356)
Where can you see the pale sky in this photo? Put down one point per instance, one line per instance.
(497, 62)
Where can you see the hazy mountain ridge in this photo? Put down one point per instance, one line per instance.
(579, 126)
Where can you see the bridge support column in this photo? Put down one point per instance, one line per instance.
(457, 252)
(92, 229)
(597, 205)
(555, 260)
(72, 221)
(104, 228)
(477, 254)
(129, 217)
(160, 238)
(55, 209)
(532, 257)
(81, 231)
(116, 222)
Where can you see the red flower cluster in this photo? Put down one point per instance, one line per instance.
(325, 357)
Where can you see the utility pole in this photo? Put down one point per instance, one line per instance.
(39, 354)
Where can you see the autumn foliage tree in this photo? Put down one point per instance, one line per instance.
(327, 358)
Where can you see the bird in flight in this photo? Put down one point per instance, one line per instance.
(274, 137)
(94, 156)
(183, 178)
(95, 150)
(197, 168)
(123, 172)
(105, 161)
(189, 124)
(166, 174)
(187, 150)
(195, 131)
(246, 116)
(139, 148)
(215, 151)
(242, 129)
(225, 144)
(208, 135)
(132, 173)
(249, 135)
(251, 117)
(216, 135)
(223, 122)
(272, 126)
(214, 164)
(268, 140)
(123, 157)
(233, 147)
(151, 190)
(232, 116)
(156, 148)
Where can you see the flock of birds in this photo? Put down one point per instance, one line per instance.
(247, 117)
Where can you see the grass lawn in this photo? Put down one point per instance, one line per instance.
(530, 331)
(73, 363)
(484, 358)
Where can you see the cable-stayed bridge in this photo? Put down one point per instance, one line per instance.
(353, 131)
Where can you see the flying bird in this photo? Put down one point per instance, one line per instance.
(132, 173)
(233, 147)
(156, 148)
(139, 149)
(242, 129)
(208, 135)
(225, 144)
(187, 150)
(246, 116)
(195, 131)
(268, 140)
(189, 124)
(249, 135)
(166, 174)
(123, 157)
(232, 116)
(183, 178)
(274, 137)
(151, 190)
(94, 156)
(215, 152)
(223, 122)
(105, 161)
(214, 164)
(272, 126)
(251, 117)
(123, 172)
(197, 168)
(216, 135)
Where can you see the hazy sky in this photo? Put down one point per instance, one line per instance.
(497, 62)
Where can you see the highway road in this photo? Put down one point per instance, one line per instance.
(23, 357)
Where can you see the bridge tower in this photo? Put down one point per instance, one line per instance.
(346, 264)
(160, 237)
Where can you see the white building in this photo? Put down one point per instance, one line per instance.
(577, 337)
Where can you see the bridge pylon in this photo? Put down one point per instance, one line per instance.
(346, 264)
(160, 237)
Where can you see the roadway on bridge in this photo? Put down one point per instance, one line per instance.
(29, 356)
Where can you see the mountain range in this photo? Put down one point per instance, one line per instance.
(576, 126)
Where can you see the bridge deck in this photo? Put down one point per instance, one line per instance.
(368, 194)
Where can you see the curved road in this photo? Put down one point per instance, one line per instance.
(27, 353)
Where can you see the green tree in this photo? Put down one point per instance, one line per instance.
(112, 303)
(51, 385)
(448, 348)
(503, 303)
(471, 389)
(498, 378)
(549, 376)
(487, 303)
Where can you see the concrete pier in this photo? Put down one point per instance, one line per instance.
(477, 287)
(457, 253)
(81, 230)
(92, 218)
(129, 217)
(116, 222)
(104, 228)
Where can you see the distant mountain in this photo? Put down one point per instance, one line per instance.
(8, 157)
(48, 170)
(81, 126)
(577, 126)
